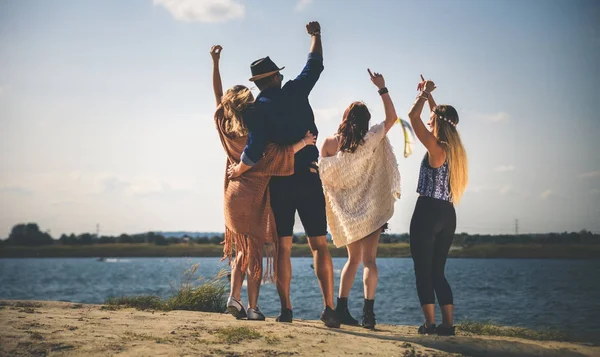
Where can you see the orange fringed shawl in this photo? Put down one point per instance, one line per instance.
(249, 220)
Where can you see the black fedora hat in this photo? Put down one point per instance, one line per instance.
(263, 68)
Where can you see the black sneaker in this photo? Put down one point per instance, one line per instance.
(446, 331)
(368, 319)
(424, 330)
(330, 318)
(345, 317)
(286, 315)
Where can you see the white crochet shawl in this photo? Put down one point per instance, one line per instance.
(360, 188)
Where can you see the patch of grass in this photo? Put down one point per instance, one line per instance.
(110, 307)
(27, 304)
(237, 334)
(35, 335)
(208, 296)
(28, 310)
(76, 306)
(489, 329)
(138, 302)
(60, 347)
(272, 340)
(141, 336)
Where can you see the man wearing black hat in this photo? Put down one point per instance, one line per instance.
(283, 115)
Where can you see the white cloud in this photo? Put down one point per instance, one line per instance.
(327, 114)
(203, 10)
(477, 189)
(590, 174)
(16, 190)
(505, 190)
(547, 194)
(504, 168)
(490, 117)
(302, 4)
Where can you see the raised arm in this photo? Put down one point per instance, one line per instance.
(314, 30)
(309, 76)
(390, 111)
(430, 100)
(425, 136)
(215, 53)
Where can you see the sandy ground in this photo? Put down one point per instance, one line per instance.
(42, 328)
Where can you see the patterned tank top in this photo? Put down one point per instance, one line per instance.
(434, 183)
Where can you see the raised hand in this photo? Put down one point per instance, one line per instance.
(313, 28)
(426, 85)
(215, 52)
(309, 139)
(377, 79)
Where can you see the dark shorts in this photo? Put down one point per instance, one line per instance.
(301, 192)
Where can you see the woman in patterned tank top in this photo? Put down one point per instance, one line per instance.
(443, 177)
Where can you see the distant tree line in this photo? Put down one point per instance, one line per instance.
(30, 235)
(465, 239)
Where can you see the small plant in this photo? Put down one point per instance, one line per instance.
(237, 334)
(193, 294)
(27, 304)
(209, 296)
(272, 340)
(489, 329)
(139, 302)
(35, 335)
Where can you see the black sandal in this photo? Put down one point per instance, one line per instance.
(446, 331)
(424, 330)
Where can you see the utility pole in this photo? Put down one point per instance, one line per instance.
(97, 231)
(516, 227)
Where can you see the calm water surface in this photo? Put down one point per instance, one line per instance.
(519, 292)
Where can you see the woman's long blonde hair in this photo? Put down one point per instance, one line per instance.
(445, 131)
(235, 101)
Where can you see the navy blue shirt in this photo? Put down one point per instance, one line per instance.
(283, 116)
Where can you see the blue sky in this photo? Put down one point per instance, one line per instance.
(106, 107)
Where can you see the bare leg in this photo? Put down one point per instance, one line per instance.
(284, 271)
(349, 271)
(254, 284)
(447, 315)
(369, 255)
(237, 277)
(429, 313)
(323, 268)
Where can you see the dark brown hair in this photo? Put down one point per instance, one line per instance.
(354, 127)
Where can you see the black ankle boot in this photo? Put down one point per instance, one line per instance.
(343, 313)
(368, 317)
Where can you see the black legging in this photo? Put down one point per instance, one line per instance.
(431, 233)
